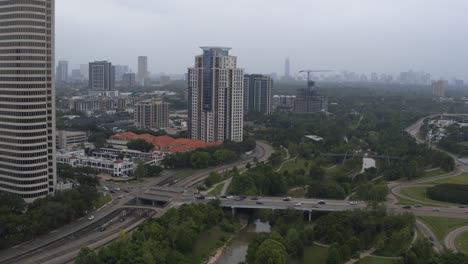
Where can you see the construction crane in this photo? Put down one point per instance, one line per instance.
(310, 83)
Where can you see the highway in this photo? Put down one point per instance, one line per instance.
(61, 245)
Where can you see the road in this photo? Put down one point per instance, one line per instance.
(38, 248)
(427, 232)
(451, 238)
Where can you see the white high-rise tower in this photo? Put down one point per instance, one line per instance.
(27, 103)
(216, 94)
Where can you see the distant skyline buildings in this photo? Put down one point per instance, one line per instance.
(287, 68)
(142, 74)
(62, 73)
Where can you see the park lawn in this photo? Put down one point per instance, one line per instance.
(441, 226)
(217, 189)
(103, 199)
(462, 243)
(207, 243)
(461, 179)
(297, 192)
(465, 143)
(419, 193)
(375, 260)
(184, 173)
(314, 254)
(432, 173)
(294, 164)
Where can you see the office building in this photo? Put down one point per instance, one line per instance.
(101, 78)
(151, 114)
(142, 76)
(257, 93)
(283, 103)
(287, 68)
(215, 96)
(62, 71)
(129, 79)
(70, 139)
(438, 88)
(27, 88)
(84, 69)
(120, 70)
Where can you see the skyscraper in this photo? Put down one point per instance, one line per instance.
(152, 114)
(62, 71)
(101, 77)
(257, 93)
(27, 91)
(216, 94)
(142, 75)
(287, 68)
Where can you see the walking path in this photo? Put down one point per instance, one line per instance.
(227, 183)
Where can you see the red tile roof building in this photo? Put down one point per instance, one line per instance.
(162, 143)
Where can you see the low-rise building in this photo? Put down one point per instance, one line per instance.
(115, 167)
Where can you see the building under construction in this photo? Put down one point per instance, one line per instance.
(310, 100)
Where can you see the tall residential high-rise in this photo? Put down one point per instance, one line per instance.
(216, 94)
(62, 71)
(438, 88)
(142, 75)
(27, 91)
(287, 68)
(101, 77)
(152, 114)
(257, 93)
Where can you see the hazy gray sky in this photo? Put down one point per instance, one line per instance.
(361, 35)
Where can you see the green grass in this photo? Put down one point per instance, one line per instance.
(465, 144)
(314, 254)
(419, 193)
(103, 199)
(184, 174)
(217, 190)
(461, 179)
(442, 226)
(433, 173)
(207, 243)
(294, 164)
(374, 260)
(462, 243)
(297, 193)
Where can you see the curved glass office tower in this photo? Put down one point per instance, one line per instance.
(27, 107)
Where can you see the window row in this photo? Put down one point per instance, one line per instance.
(22, 8)
(23, 99)
(24, 189)
(18, 168)
(3, 126)
(24, 155)
(25, 182)
(23, 30)
(30, 37)
(25, 86)
(6, 92)
(22, 162)
(25, 72)
(25, 58)
(25, 79)
(24, 44)
(24, 15)
(24, 141)
(22, 2)
(23, 148)
(24, 107)
(23, 176)
(21, 51)
(22, 23)
(22, 121)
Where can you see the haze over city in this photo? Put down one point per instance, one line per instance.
(364, 36)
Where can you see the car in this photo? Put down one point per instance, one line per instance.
(122, 219)
(431, 238)
(120, 196)
(254, 198)
(287, 199)
(353, 203)
(211, 198)
(230, 197)
(298, 204)
(237, 199)
(91, 217)
(223, 196)
(105, 188)
(102, 229)
(112, 191)
(258, 202)
(321, 202)
(407, 207)
(461, 206)
(418, 206)
(117, 189)
(436, 210)
(200, 197)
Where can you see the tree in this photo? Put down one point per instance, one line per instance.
(271, 252)
(316, 172)
(140, 145)
(334, 255)
(294, 244)
(224, 156)
(140, 171)
(87, 256)
(200, 160)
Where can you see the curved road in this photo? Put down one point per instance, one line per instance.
(451, 238)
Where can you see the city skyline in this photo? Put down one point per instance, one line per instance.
(364, 38)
